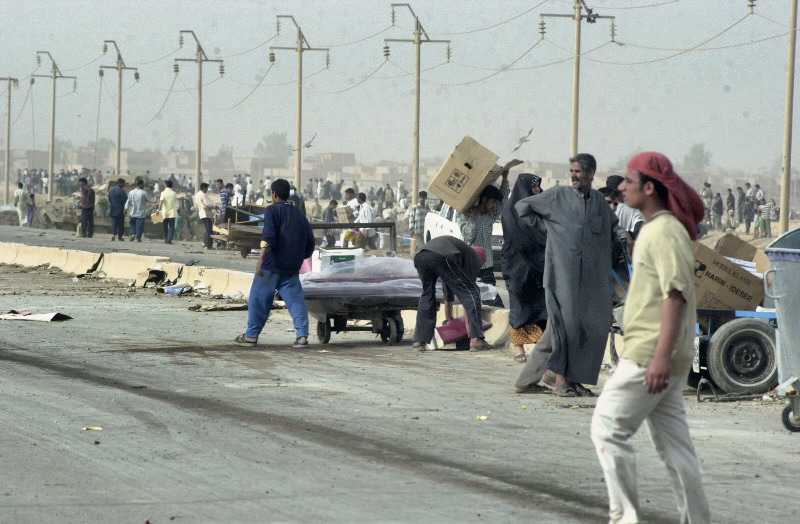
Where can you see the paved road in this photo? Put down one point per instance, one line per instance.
(198, 430)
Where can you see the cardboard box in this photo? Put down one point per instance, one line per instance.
(722, 284)
(341, 214)
(328, 257)
(466, 172)
(732, 246)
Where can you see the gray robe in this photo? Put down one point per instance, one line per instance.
(577, 276)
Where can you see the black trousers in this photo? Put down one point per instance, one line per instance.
(209, 228)
(432, 267)
(87, 222)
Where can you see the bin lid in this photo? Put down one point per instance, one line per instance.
(787, 243)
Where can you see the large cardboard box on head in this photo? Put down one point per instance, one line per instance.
(469, 169)
(723, 284)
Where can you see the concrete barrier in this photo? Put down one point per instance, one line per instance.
(8, 252)
(128, 265)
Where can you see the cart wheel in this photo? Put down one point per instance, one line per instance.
(244, 251)
(398, 320)
(324, 331)
(790, 420)
(389, 331)
(742, 357)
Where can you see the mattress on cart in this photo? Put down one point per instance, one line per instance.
(364, 280)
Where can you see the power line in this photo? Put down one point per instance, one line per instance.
(237, 104)
(27, 93)
(498, 24)
(92, 61)
(169, 92)
(345, 44)
(657, 4)
(160, 58)
(364, 79)
(262, 44)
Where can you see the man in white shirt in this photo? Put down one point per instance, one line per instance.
(204, 207)
(136, 209)
(366, 215)
(168, 207)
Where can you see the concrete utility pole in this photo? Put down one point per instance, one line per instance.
(120, 67)
(786, 177)
(199, 58)
(301, 47)
(55, 74)
(417, 41)
(11, 82)
(591, 17)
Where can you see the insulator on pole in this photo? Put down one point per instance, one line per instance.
(101, 73)
(38, 60)
(278, 25)
(105, 48)
(327, 60)
(136, 75)
(272, 57)
(394, 17)
(180, 39)
(221, 69)
(752, 5)
(613, 31)
(74, 85)
(175, 67)
(449, 53)
(386, 51)
(542, 27)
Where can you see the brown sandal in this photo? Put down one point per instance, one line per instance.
(565, 390)
(533, 388)
(582, 390)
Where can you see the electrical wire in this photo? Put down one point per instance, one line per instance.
(24, 102)
(657, 4)
(495, 73)
(262, 44)
(288, 82)
(715, 48)
(344, 44)
(237, 104)
(494, 25)
(159, 58)
(169, 92)
(681, 52)
(364, 79)
(786, 26)
(92, 61)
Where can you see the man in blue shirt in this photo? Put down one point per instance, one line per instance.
(286, 241)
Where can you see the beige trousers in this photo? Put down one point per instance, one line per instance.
(620, 410)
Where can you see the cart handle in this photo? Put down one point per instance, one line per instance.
(769, 283)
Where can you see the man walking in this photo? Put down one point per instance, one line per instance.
(87, 208)
(366, 215)
(22, 202)
(416, 221)
(329, 217)
(457, 265)
(659, 324)
(581, 232)
(117, 199)
(136, 208)
(204, 207)
(167, 206)
(286, 241)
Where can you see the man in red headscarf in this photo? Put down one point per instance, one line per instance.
(659, 324)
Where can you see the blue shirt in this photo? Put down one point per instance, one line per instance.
(289, 236)
(117, 197)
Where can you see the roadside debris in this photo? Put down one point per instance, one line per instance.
(24, 314)
(92, 428)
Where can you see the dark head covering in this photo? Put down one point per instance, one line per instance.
(683, 201)
(516, 235)
(492, 192)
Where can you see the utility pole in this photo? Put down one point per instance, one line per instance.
(55, 74)
(200, 57)
(786, 177)
(590, 17)
(120, 67)
(419, 31)
(11, 82)
(301, 47)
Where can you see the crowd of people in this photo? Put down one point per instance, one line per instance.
(749, 207)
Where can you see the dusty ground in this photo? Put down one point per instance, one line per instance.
(198, 430)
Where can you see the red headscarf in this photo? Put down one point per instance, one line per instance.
(683, 200)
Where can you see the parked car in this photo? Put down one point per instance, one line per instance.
(443, 222)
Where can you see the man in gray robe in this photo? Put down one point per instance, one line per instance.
(581, 230)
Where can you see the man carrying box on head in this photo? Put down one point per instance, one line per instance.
(457, 265)
(476, 227)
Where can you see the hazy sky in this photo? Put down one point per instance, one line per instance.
(731, 99)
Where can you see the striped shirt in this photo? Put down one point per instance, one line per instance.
(416, 219)
(477, 231)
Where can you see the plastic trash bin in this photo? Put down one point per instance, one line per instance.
(782, 283)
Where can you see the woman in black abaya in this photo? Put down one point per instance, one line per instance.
(523, 267)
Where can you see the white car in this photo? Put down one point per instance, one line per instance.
(443, 222)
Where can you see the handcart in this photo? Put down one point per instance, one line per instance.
(243, 228)
(339, 314)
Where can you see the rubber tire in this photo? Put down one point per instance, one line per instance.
(398, 319)
(389, 331)
(323, 331)
(740, 339)
(787, 417)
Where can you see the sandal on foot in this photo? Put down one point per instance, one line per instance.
(549, 378)
(241, 340)
(532, 388)
(521, 358)
(419, 346)
(484, 346)
(582, 390)
(564, 390)
(298, 344)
